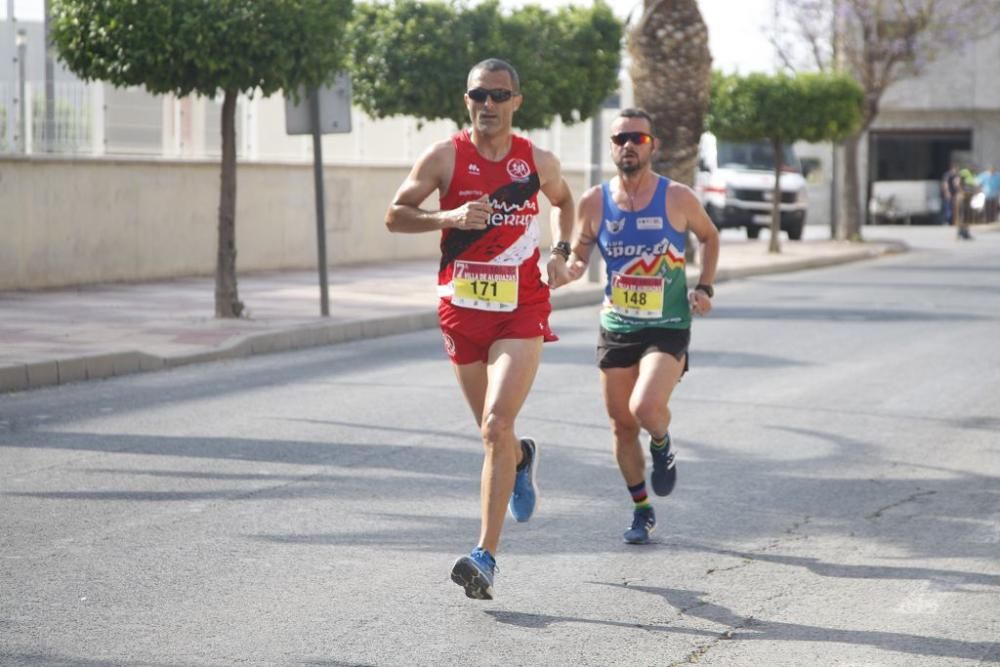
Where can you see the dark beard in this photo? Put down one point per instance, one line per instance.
(631, 168)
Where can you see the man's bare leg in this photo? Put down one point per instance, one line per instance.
(511, 371)
(659, 373)
(617, 385)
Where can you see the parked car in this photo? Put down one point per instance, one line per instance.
(736, 184)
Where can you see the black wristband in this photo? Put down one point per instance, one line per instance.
(707, 289)
(562, 249)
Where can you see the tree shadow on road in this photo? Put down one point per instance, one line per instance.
(834, 314)
(744, 628)
(568, 354)
(52, 660)
(10, 659)
(944, 580)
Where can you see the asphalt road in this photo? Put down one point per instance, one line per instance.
(838, 499)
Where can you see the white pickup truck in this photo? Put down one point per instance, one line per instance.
(736, 184)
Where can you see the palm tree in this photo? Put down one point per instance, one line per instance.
(671, 75)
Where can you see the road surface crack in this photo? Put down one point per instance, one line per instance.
(877, 514)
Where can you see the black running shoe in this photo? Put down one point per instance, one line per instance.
(643, 523)
(664, 475)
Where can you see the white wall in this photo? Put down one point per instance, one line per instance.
(964, 79)
(78, 221)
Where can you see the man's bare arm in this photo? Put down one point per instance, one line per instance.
(557, 191)
(585, 230)
(431, 172)
(698, 223)
(708, 236)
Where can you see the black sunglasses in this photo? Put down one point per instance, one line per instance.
(495, 94)
(637, 138)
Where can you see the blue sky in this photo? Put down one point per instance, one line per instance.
(737, 28)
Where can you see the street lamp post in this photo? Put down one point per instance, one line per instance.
(49, 125)
(10, 122)
(594, 177)
(21, 42)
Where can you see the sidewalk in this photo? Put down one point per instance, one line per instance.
(55, 337)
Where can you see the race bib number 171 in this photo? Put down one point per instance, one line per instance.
(484, 286)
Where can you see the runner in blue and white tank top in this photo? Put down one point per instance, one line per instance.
(645, 282)
(638, 220)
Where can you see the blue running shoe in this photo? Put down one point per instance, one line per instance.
(643, 523)
(525, 495)
(664, 475)
(475, 573)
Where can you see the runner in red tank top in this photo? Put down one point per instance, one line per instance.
(494, 307)
(510, 238)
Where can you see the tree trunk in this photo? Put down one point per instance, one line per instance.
(227, 301)
(775, 245)
(671, 76)
(851, 229)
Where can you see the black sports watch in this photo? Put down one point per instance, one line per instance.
(707, 289)
(562, 249)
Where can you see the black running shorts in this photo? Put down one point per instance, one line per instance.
(622, 350)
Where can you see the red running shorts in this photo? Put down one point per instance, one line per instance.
(468, 333)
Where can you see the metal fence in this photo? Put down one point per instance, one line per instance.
(61, 122)
(77, 118)
(4, 104)
(9, 105)
(34, 119)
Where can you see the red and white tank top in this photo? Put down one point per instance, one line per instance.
(493, 269)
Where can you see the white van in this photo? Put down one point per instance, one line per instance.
(736, 184)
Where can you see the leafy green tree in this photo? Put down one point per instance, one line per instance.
(206, 47)
(580, 70)
(403, 57)
(784, 109)
(412, 58)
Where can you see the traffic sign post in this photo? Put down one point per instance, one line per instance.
(325, 110)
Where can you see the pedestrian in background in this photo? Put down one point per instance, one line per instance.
(952, 194)
(494, 308)
(968, 187)
(989, 184)
(639, 220)
(950, 188)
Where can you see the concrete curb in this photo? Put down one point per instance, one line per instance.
(883, 248)
(95, 367)
(103, 366)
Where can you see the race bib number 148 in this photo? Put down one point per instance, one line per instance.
(637, 296)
